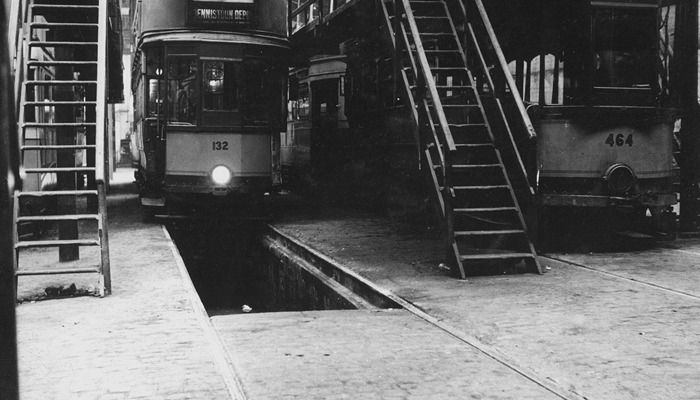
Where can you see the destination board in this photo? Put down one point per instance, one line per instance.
(221, 13)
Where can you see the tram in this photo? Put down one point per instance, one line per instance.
(597, 79)
(315, 118)
(208, 82)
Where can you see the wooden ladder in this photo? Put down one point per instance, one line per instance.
(484, 227)
(61, 120)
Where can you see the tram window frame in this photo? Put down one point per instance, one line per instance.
(303, 102)
(616, 61)
(192, 98)
(230, 85)
(155, 75)
(259, 97)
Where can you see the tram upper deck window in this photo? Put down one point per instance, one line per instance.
(182, 90)
(219, 83)
(624, 48)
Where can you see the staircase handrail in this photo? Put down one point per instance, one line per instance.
(503, 64)
(16, 20)
(101, 91)
(428, 77)
(499, 69)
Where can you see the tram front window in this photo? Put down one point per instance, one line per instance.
(219, 83)
(182, 90)
(264, 85)
(624, 47)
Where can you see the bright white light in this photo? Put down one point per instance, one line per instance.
(221, 175)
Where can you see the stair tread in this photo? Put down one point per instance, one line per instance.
(467, 166)
(480, 187)
(53, 62)
(59, 169)
(68, 217)
(63, 24)
(60, 147)
(58, 193)
(56, 124)
(474, 145)
(81, 6)
(495, 256)
(56, 243)
(56, 82)
(62, 43)
(489, 232)
(59, 271)
(484, 209)
(58, 103)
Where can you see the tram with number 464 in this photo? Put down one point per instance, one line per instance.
(597, 78)
(209, 88)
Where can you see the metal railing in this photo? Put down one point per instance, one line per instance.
(310, 12)
(488, 63)
(16, 38)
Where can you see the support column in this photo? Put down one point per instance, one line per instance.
(690, 128)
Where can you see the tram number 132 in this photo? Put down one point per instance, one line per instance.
(619, 140)
(219, 146)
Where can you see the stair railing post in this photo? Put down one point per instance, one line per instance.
(100, 142)
(449, 210)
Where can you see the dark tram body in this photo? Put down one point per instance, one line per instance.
(597, 80)
(315, 117)
(209, 82)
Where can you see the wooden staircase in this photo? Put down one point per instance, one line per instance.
(61, 62)
(484, 226)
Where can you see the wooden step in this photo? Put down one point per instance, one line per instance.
(55, 243)
(489, 233)
(494, 256)
(58, 147)
(58, 271)
(484, 209)
(60, 44)
(53, 193)
(49, 25)
(59, 103)
(60, 83)
(51, 7)
(58, 169)
(483, 187)
(57, 124)
(53, 63)
(71, 217)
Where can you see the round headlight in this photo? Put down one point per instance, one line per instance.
(620, 178)
(221, 175)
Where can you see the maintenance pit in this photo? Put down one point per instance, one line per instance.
(241, 267)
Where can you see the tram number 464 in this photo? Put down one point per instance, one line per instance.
(619, 140)
(219, 145)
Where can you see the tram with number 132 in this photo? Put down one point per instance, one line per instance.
(208, 82)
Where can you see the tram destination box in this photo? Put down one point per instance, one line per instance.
(221, 13)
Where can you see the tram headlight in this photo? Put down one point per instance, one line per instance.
(221, 175)
(620, 178)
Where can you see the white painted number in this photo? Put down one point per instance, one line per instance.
(219, 146)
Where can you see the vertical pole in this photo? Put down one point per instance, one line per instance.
(9, 380)
(100, 143)
(690, 127)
